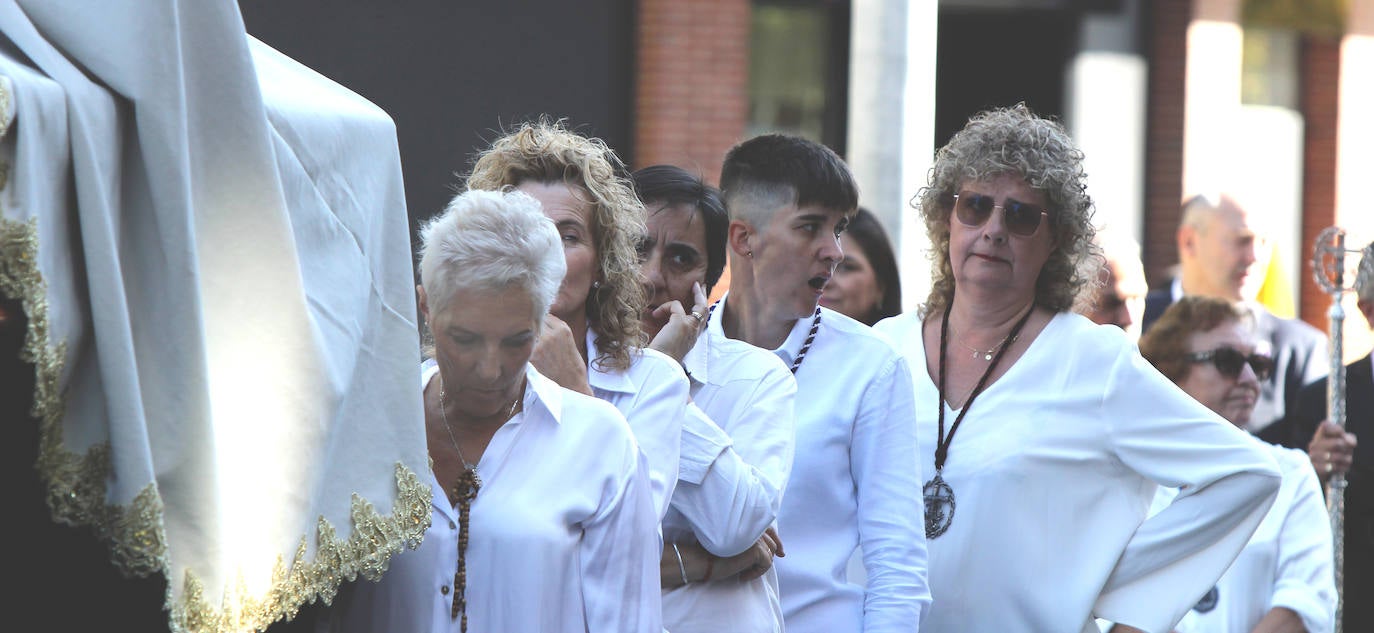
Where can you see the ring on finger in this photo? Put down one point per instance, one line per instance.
(1328, 456)
(695, 316)
(1328, 468)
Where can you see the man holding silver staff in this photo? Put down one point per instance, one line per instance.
(1335, 450)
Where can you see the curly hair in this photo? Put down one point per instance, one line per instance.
(547, 152)
(1166, 344)
(1018, 142)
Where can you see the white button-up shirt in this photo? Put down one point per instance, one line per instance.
(1053, 471)
(562, 534)
(731, 482)
(652, 395)
(1287, 563)
(852, 483)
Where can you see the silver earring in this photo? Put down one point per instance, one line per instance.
(596, 285)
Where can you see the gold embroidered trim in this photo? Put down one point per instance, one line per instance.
(76, 492)
(366, 553)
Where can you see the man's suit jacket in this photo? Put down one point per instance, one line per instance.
(1300, 358)
(1359, 494)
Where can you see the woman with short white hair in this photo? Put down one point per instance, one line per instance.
(542, 515)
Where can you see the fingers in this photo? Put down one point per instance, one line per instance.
(774, 542)
(699, 294)
(762, 560)
(667, 309)
(1329, 429)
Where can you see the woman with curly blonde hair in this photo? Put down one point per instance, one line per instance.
(1036, 516)
(592, 341)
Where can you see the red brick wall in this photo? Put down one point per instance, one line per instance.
(1319, 92)
(1167, 41)
(691, 82)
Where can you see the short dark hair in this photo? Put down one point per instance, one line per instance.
(772, 163)
(672, 185)
(865, 228)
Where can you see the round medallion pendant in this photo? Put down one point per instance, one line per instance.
(939, 502)
(1208, 601)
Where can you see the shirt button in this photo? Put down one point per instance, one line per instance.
(452, 525)
(444, 590)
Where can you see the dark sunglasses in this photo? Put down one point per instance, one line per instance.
(974, 209)
(1229, 361)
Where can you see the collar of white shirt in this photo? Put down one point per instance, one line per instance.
(794, 341)
(599, 377)
(548, 396)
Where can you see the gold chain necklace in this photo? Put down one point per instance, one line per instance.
(510, 413)
(988, 354)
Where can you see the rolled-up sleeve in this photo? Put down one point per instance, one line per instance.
(1306, 576)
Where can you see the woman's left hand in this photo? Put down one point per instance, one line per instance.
(680, 328)
(557, 357)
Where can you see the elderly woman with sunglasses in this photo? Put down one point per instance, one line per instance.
(1043, 436)
(1284, 579)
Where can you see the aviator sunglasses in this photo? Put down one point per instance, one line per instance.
(1229, 361)
(974, 209)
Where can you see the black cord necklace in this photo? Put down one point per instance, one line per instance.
(806, 346)
(939, 496)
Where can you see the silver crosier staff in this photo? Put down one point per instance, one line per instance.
(1328, 265)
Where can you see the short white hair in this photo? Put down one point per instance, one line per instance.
(491, 240)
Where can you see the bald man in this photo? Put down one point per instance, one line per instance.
(1222, 253)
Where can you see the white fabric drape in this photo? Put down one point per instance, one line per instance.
(221, 303)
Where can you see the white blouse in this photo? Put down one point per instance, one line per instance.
(1053, 471)
(652, 395)
(1287, 563)
(562, 534)
(850, 487)
(731, 481)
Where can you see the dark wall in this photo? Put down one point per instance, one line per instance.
(993, 58)
(453, 73)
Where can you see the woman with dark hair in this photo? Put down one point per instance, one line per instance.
(865, 286)
(737, 436)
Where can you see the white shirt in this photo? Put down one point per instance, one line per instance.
(726, 497)
(562, 534)
(1053, 471)
(652, 395)
(851, 485)
(1287, 563)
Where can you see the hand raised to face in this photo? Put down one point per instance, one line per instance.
(677, 328)
(557, 355)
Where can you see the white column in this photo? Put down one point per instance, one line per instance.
(1106, 101)
(892, 123)
(1211, 93)
(1354, 163)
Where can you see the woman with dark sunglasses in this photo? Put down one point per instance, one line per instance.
(1044, 435)
(1283, 579)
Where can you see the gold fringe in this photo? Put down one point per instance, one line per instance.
(76, 492)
